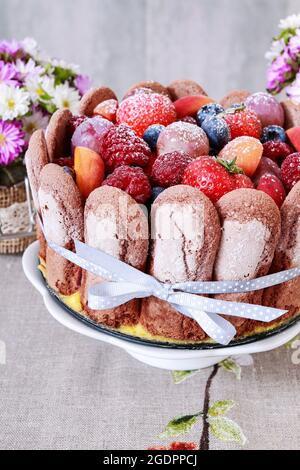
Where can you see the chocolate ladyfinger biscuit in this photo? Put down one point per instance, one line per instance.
(287, 255)
(291, 114)
(36, 158)
(234, 97)
(185, 239)
(115, 224)
(180, 88)
(250, 232)
(155, 87)
(62, 213)
(93, 97)
(58, 135)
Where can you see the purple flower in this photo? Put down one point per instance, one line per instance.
(10, 47)
(12, 141)
(83, 83)
(294, 47)
(279, 72)
(293, 91)
(8, 74)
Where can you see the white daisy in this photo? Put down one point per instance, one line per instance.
(64, 65)
(66, 97)
(276, 49)
(36, 121)
(291, 22)
(30, 46)
(38, 86)
(14, 102)
(27, 69)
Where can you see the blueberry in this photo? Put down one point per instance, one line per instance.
(208, 110)
(275, 133)
(217, 132)
(156, 191)
(69, 171)
(151, 135)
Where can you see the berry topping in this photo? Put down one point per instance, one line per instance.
(183, 137)
(273, 133)
(267, 108)
(148, 168)
(90, 133)
(266, 165)
(276, 150)
(132, 180)
(242, 181)
(189, 105)
(210, 176)
(217, 131)
(290, 170)
(156, 191)
(151, 135)
(68, 161)
(189, 120)
(142, 110)
(75, 121)
(121, 146)
(207, 111)
(272, 186)
(168, 168)
(243, 122)
(294, 137)
(107, 109)
(246, 150)
(69, 171)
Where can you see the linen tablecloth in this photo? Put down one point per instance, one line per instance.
(60, 390)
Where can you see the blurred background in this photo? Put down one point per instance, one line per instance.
(219, 43)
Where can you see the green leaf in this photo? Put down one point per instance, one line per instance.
(232, 366)
(220, 408)
(291, 343)
(181, 375)
(227, 430)
(180, 425)
(62, 75)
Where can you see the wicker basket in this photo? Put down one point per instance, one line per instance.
(10, 244)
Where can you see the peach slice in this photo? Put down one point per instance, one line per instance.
(247, 151)
(89, 169)
(189, 105)
(294, 137)
(107, 109)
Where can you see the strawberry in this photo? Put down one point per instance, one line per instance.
(212, 176)
(243, 122)
(276, 150)
(242, 181)
(142, 110)
(272, 186)
(290, 170)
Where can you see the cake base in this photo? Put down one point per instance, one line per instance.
(165, 356)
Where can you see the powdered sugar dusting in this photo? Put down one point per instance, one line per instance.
(184, 137)
(267, 108)
(241, 249)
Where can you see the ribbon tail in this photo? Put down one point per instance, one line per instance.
(107, 295)
(216, 327)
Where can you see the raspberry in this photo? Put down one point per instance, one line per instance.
(132, 180)
(148, 168)
(168, 168)
(75, 121)
(243, 122)
(276, 150)
(242, 181)
(142, 110)
(121, 146)
(290, 170)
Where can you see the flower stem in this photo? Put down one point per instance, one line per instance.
(204, 442)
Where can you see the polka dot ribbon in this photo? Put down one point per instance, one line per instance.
(124, 283)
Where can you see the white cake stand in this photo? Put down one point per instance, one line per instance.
(171, 359)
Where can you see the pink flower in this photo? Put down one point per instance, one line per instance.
(279, 72)
(12, 141)
(8, 74)
(83, 83)
(293, 91)
(294, 47)
(10, 47)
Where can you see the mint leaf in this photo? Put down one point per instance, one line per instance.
(220, 408)
(227, 430)
(230, 365)
(180, 376)
(180, 425)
